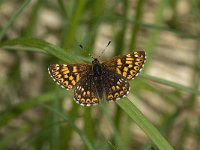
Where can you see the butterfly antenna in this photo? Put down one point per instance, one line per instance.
(91, 56)
(81, 46)
(104, 49)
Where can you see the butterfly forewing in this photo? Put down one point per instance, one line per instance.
(128, 65)
(67, 76)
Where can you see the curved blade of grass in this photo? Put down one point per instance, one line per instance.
(144, 124)
(12, 113)
(72, 125)
(171, 84)
(32, 44)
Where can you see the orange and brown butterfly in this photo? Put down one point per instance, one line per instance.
(97, 81)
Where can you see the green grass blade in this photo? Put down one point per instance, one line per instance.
(12, 113)
(89, 125)
(73, 23)
(120, 36)
(144, 124)
(63, 9)
(72, 125)
(136, 27)
(13, 18)
(31, 24)
(119, 143)
(15, 111)
(55, 135)
(171, 84)
(32, 44)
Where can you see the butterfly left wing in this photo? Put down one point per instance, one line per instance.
(128, 65)
(67, 76)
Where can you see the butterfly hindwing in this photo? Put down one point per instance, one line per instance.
(115, 87)
(86, 92)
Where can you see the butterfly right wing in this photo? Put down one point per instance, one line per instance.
(67, 76)
(128, 65)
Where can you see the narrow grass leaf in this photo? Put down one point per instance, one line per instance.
(13, 18)
(72, 125)
(32, 44)
(144, 124)
(171, 84)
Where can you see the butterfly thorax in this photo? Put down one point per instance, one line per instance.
(96, 68)
(96, 75)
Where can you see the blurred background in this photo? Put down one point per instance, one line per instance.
(37, 114)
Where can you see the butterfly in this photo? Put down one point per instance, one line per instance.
(97, 81)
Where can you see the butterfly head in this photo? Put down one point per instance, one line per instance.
(95, 61)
